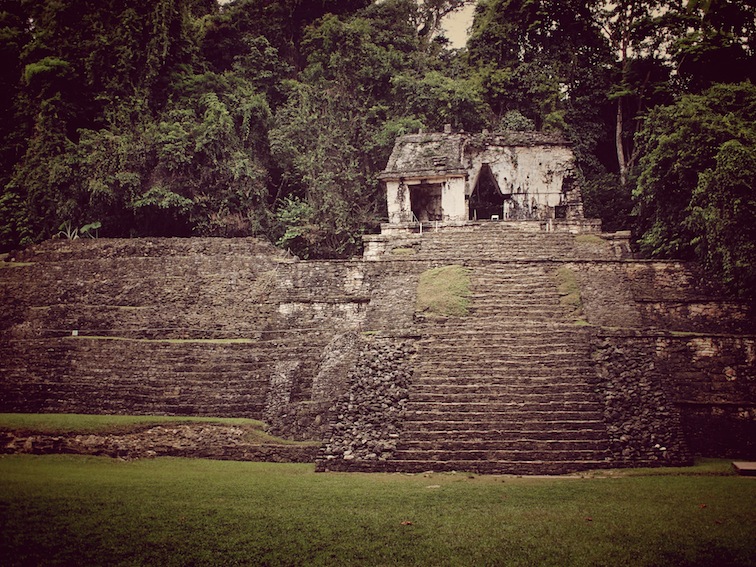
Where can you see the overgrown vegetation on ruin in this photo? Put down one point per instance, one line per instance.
(569, 293)
(444, 292)
(59, 423)
(98, 511)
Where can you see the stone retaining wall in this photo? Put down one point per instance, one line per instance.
(207, 441)
(237, 328)
(706, 383)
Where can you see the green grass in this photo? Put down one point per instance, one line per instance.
(589, 239)
(403, 251)
(444, 291)
(61, 423)
(63, 510)
(171, 341)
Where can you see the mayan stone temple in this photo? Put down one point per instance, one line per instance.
(564, 352)
(461, 177)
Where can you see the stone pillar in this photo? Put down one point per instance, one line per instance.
(453, 199)
(398, 201)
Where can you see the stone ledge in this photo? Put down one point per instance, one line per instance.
(745, 468)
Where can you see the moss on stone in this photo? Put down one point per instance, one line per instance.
(589, 239)
(569, 292)
(444, 291)
(403, 251)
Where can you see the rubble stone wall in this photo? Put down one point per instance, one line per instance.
(707, 383)
(366, 419)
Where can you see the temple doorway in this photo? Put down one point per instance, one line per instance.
(425, 200)
(486, 200)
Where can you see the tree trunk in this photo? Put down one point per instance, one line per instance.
(619, 145)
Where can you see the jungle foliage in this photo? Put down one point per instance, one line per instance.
(273, 117)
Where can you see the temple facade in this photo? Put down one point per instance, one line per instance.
(453, 177)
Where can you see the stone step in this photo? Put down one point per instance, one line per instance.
(483, 382)
(501, 418)
(597, 433)
(508, 350)
(420, 406)
(453, 444)
(536, 423)
(497, 237)
(476, 379)
(504, 290)
(566, 332)
(480, 333)
(461, 365)
(514, 275)
(501, 455)
(492, 399)
(536, 311)
(490, 251)
(432, 389)
(504, 247)
(513, 467)
(495, 345)
(497, 320)
(539, 301)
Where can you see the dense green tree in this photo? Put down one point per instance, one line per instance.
(198, 168)
(14, 35)
(719, 44)
(87, 66)
(318, 141)
(281, 22)
(695, 196)
(639, 33)
(327, 140)
(273, 117)
(551, 65)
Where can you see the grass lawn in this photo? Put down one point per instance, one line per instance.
(64, 510)
(61, 423)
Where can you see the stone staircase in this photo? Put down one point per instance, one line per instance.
(509, 388)
(148, 376)
(492, 240)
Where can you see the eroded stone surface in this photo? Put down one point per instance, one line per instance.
(209, 441)
(367, 419)
(212, 327)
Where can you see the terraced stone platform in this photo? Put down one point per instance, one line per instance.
(525, 383)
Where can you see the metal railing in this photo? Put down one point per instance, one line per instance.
(418, 221)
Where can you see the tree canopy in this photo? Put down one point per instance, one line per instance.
(696, 194)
